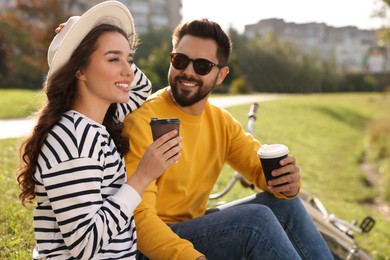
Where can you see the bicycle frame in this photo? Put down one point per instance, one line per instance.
(338, 233)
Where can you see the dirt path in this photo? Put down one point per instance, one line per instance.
(372, 177)
(15, 128)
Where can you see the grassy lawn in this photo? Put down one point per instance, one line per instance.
(17, 237)
(327, 133)
(19, 103)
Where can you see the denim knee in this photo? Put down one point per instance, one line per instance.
(282, 208)
(247, 231)
(264, 233)
(255, 215)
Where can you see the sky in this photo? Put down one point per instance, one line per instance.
(238, 13)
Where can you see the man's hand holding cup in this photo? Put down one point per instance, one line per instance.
(280, 170)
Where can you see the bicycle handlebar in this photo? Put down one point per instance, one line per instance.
(253, 110)
(252, 115)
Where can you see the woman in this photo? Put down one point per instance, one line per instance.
(73, 161)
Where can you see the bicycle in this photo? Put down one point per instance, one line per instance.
(338, 233)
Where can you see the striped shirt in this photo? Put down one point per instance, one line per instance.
(83, 209)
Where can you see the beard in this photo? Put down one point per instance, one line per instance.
(184, 98)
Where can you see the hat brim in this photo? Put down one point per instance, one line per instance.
(68, 40)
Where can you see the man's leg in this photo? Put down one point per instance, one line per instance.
(298, 225)
(242, 232)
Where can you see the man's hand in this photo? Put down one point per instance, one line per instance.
(291, 181)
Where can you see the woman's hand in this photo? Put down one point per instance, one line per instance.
(159, 156)
(59, 28)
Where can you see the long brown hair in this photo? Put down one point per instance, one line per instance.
(60, 90)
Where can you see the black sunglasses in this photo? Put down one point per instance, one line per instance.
(201, 66)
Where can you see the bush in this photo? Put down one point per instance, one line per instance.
(240, 86)
(379, 147)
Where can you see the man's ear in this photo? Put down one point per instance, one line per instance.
(222, 74)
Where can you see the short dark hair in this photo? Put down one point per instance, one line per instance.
(205, 29)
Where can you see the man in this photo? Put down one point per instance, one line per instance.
(171, 221)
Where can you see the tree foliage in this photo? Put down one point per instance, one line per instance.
(260, 64)
(3, 56)
(22, 65)
(28, 29)
(272, 65)
(152, 56)
(383, 13)
(156, 65)
(240, 86)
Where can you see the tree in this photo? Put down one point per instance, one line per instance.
(3, 56)
(240, 86)
(269, 64)
(235, 72)
(28, 29)
(153, 39)
(383, 13)
(156, 65)
(22, 69)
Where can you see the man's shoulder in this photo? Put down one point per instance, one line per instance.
(148, 109)
(156, 99)
(158, 94)
(220, 112)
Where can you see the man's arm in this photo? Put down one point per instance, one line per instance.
(155, 239)
(243, 158)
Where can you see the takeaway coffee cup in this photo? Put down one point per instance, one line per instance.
(270, 156)
(163, 126)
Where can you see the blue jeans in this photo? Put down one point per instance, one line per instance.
(263, 228)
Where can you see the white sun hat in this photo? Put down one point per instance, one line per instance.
(77, 27)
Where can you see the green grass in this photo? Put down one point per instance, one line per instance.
(19, 103)
(17, 237)
(327, 133)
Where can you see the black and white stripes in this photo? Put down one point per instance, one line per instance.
(83, 209)
(140, 89)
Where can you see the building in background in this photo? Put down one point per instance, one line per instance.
(155, 14)
(351, 49)
(152, 14)
(148, 14)
(348, 46)
(375, 60)
(6, 4)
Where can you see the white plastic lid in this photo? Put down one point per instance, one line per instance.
(267, 151)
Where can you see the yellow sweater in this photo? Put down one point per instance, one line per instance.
(209, 141)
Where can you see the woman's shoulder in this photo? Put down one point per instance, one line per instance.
(76, 136)
(78, 126)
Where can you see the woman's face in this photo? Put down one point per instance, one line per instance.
(107, 77)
